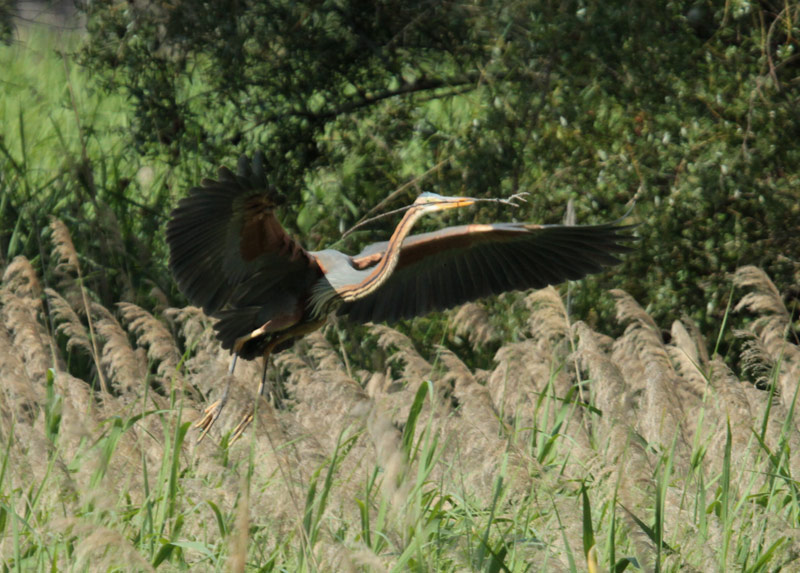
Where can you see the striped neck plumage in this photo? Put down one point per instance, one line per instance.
(383, 270)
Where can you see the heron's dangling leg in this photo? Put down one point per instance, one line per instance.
(296, 331)
(242, 425)
(214, 410)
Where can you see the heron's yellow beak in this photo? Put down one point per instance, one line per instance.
(454, 203)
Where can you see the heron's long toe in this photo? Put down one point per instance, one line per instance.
(211, 415)
(240, 428)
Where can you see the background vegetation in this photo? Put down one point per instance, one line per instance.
(538, 438)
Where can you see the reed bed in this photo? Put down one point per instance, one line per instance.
(575, 450)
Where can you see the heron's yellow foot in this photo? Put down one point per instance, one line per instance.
(240, 428)
(210, 417)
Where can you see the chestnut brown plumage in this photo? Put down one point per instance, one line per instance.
(230, 255)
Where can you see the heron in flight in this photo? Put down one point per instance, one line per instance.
(230, 256)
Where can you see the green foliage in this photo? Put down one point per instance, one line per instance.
(688, 107)
(63, 154)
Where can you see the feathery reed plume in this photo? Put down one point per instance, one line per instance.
(102, 549)
(67, 264)
(550, 327)
(730, 404)
(21, 396)
(687, 357)
(20, 277)
(548, 319)
(628, 310)
(152, 333)
(765, 298)
(63, 249)
(416, 369)
(771, 327)
(757, 362)
(624, 454)
(68, 322)
(79, 417)
(471, 321)
(326, 396)
(20, 315)
(523, 371)
(456, 375)
(321, 352)
(664, 411)
(481, 432)
(644, 357)
(774, 321)
(196, 327)
(610, 391)
(126, 367)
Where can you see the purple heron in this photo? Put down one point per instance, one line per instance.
(230, 255)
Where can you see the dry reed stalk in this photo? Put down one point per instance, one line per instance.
(126, 367)
(471, 321)
(238, 540)
(67, 264)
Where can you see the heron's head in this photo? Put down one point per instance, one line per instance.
(430, 202)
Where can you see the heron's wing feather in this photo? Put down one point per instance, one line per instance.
(226, 245)
(445, 268)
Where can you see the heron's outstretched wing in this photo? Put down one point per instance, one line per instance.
(445, 268)
(227, 246)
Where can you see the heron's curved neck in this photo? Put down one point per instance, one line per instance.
(385, 267)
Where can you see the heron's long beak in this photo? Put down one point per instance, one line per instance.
(454, 203)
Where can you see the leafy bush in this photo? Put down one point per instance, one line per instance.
(689, 108)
